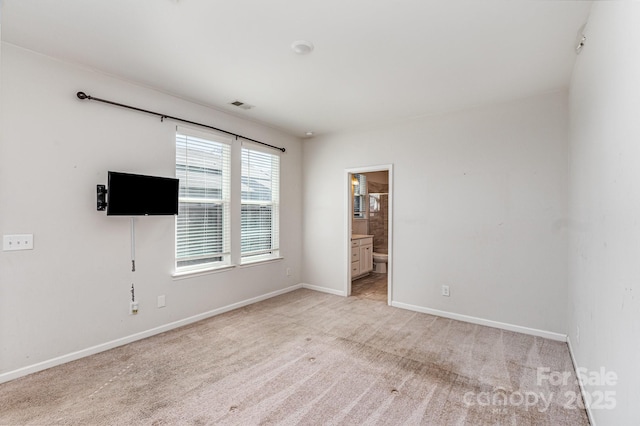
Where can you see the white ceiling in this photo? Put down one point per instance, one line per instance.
(374, 60)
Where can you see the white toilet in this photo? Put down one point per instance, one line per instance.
(380, 263)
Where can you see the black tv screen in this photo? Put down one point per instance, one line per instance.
(137, 195)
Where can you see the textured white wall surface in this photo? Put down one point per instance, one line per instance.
(604, 210)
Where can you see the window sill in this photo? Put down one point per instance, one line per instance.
(217, 269)
(199, 272)
(256, 262)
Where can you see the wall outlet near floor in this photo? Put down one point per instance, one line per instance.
(162, 301)
(288, 272)
(133, 308)
(577, 334)
(445, 290)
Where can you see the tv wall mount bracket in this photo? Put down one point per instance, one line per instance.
(101, 191)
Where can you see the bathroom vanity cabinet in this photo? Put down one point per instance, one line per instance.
(361, 255)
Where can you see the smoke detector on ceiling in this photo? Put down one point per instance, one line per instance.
(241, 104)
(302, 47)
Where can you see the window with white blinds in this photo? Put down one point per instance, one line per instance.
(203, 166)
(359, 183)
(260, 202)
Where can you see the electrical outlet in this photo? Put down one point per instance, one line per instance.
(133, 308)
(577, 334)
(162, 301)
(288, 272)
(445, 290)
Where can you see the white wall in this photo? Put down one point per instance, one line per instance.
(72, 291)
(479, 205)
(604, 206)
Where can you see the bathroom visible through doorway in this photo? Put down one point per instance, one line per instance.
(368, 233)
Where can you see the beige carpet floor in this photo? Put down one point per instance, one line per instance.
(307, 358)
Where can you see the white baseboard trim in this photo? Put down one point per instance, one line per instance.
(481, 321)
(11, 375)
(323, 289)
(582, 389)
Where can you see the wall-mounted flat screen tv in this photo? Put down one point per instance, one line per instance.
(137, 195)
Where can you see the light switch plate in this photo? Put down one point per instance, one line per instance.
(17, 242)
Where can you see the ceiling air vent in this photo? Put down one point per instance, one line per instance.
(241, 104)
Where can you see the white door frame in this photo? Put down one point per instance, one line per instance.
(348, 219)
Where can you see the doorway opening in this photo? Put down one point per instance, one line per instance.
(368, 232)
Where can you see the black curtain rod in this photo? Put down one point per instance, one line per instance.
(83, 96)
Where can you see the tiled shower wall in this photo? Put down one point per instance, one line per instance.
(379, 221)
